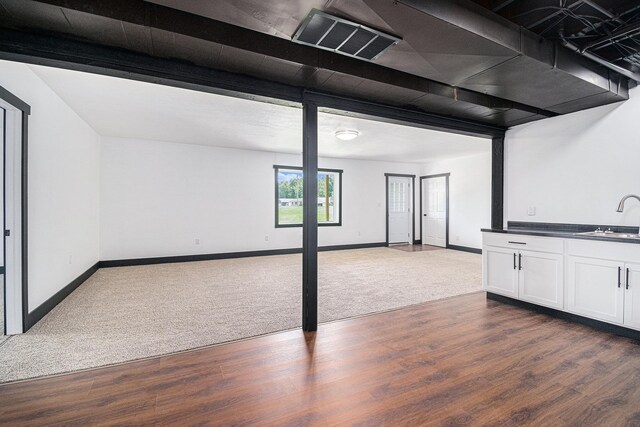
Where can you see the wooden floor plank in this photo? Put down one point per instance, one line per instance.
(460, 361)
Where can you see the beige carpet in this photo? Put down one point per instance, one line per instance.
(121, 314)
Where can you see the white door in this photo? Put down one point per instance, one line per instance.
(500, 271)
(13, 217)
(434, 211)
(399, 209)
(595, 288)
(632, 296)
(541, 278)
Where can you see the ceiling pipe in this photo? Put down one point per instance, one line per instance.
(627, 73)
(629, 30)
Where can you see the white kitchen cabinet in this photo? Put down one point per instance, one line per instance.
(632, 296)
(595, 288)
(535, 277)
(592, 278)
(529, 268)
(541, 278)
(499, 271)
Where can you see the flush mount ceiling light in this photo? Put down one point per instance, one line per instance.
(347, 135)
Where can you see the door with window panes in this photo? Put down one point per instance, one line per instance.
(399, 209)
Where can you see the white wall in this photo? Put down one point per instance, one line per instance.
(63, 186)
(157, 198)
(469, 196)
(576, 168)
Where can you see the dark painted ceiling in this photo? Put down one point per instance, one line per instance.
(456, 58)
(609, 29)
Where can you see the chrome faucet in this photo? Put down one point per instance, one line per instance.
(624, 199)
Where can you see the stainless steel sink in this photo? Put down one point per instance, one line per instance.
(609, 235)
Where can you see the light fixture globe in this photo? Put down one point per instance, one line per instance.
(347, 135)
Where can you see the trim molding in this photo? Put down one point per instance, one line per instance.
(413, 203)
(277, 168)
(25, 108)
(15, 101)
(596, 324)
(227, 255)
(447, 176)
(36, 315)
(352, 246)
(465, 249)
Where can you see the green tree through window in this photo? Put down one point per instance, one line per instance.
(289, 197)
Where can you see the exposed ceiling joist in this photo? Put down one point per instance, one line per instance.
(154, 16)
(606, 32)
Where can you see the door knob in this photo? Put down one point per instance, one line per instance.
(424, 214)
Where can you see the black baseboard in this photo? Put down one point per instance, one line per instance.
(227, 255)
(1, 270)
(417, 242)
(353, 246)
(464, 249)
(36, 315)
(596, 324)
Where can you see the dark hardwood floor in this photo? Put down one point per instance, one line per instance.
(460, 361)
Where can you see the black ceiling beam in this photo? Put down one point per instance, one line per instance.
(368, 110)
(139, 12)
(81, 56)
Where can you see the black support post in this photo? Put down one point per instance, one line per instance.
(310, 217)
(497, 182)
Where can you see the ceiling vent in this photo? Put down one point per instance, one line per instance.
(339, 35)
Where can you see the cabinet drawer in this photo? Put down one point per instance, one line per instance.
(524, 242)
(628, 252)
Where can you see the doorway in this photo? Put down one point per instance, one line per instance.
(14, 114)
(434, 210)
(400, 208)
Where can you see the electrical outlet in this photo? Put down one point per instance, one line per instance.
(266, 238)
(531, 211)
(70, 259)
(197, 241)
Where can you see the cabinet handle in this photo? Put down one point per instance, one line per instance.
(619, 271)
(627, 277)
(519, 261)
(517, 243)
(514, 261)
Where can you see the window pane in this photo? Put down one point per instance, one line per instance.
(290, 203)
(289, 196)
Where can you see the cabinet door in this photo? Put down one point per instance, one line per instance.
(593, 288)
(499, 271)
(632, 296)
(541, 278)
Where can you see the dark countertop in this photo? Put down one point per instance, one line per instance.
(564, 231)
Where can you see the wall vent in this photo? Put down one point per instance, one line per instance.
(328, 32)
